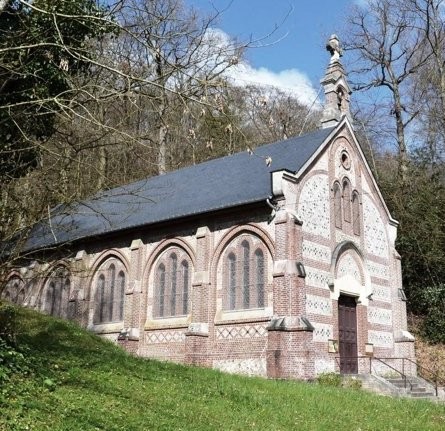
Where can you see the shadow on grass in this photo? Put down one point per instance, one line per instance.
(49, 338)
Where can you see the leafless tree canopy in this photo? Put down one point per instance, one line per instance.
(111, 92)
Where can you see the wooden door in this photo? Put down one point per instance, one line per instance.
(347, 328)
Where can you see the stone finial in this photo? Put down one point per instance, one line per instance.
(336, 88)
(333, 46)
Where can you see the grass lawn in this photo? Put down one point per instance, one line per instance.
(77, 381)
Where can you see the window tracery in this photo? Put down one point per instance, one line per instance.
(244, 266)
(110, 291)
(14, 290)
(56, 293)
(172, 279)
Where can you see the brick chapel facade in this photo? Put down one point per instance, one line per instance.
(283, 271)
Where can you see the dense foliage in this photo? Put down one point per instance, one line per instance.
(44, 45)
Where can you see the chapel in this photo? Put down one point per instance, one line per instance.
(280, 263)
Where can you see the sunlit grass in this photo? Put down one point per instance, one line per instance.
(80, 382)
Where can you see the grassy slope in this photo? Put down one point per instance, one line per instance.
(99, 387)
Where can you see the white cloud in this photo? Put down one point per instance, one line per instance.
(290, 80)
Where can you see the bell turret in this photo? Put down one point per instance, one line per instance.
(336, 88)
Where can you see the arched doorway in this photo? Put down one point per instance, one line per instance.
(351, 286)
(347, 334)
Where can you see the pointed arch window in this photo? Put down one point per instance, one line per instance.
(55, 296)
(185, 286)
(245, 277)
(172, 285)
(259, 276)
(337, 205)
(246, 274)
(356, 213)
(110, 293)
(100, 300)
(119, 308)
(232, 281)
(50, 300)
(15, 290)
(161, 290)
(347, 200)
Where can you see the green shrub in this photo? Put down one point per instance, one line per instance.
(433, 325)
(329, 379)
(429, 301)
(12, 359)
(8, 323)
(352, 383)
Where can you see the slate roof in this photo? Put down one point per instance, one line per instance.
(213, 185)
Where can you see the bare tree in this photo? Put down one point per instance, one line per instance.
(178, 58)
(85, 86)
(428, 86)
(388, 48)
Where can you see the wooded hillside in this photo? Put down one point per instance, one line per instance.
(97, 94)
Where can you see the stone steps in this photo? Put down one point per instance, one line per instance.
(415, 387)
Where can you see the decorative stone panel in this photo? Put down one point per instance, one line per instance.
(374, 229)
(381, 339)
(249, 367)
(164, 337)
(313, 206)
(379, 271)
(314, 251)
(322, 332)
(348, 266)
(381, 293)
(381, 316)
(317, 278)
(318, 305)
(236, 332)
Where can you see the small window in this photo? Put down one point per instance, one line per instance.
(356, 213)
(259, 274)
(100, 300)
(402, 295)
(346, 200)
(160, 283)
(185, 284)
(50, 300)
(337, 206)
(345, 160)
(174, 283)
(232, 281)
(119, 307)
(246, 274)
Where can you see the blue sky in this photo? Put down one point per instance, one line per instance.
(294, 56)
